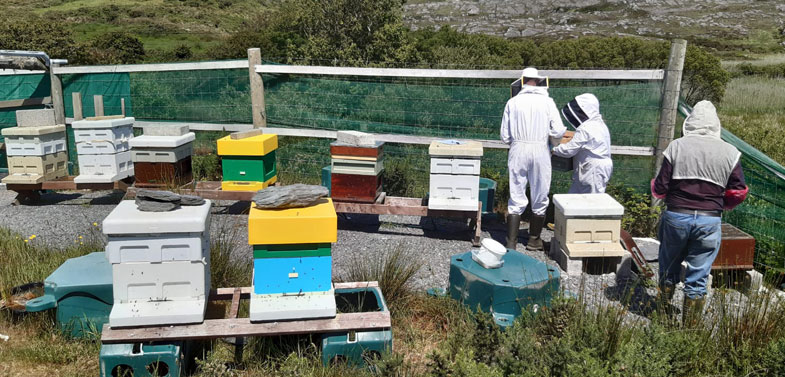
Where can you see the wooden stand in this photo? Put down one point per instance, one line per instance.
(242, 327)
(30, 193)
(394, 205)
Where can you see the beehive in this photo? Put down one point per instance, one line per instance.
(455, 175)
(163, 159)
(34, 141)
(104, 151)
(356, 172)
(36, 169)
(248, 164)
(588, 225)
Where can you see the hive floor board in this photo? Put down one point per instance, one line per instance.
(134, 314)
(291, 307)
(242, 327)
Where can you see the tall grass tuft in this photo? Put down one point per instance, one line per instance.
(393, 270)
(226, 268)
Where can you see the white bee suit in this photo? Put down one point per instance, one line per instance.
(530, 119)
(591, 146)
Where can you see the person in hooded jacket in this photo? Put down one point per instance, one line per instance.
(530, 118)
(701, 176)
(591, 146)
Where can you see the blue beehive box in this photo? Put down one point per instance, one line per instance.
(292, 275)
(520, 283)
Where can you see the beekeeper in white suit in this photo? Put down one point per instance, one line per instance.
(530, 119)
(591, 145)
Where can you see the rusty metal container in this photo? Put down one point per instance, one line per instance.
(737, 251)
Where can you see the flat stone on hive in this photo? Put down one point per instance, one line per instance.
(166, 130)
(159, 196)
(35, 118)
(356, 138)
(155, 206)
(292, 196)
(191, 200)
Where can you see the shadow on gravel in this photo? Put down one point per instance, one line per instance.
(236, 208)
(76, 198)
(359, 222)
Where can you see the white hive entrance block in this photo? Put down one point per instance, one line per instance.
(281, 307)
(588, 225)
(104, 168)
(35, 118)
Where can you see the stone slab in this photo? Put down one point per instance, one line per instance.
(126, 219)
(356, 138)
(148, 141)
(166, 130)
(455, 148)
(35, 118)
(265, 308)
(587, 205)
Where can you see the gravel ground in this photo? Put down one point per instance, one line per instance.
(60, 218)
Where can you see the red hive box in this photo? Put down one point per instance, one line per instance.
(355, 188)
(737, 251)
(350, 150)
(163, 173)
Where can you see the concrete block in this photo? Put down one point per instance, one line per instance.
(357, 167)
(574, 266)
(35, 118)
(103, 140)
(45, 168)
(587, 205)
(277, 307)
(105, 122)
(36, 145)
(155, 249)
(455, 148)
(462, 166)
(168, 155)
(753, 281)
(166, 130)
(356, 138)
(314, 224)
(259, 145)
(292, 275)
(448, 186)
(104, 168)
(126, 219)
(147, 141)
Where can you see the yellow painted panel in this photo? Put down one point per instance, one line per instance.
(258, 145)
(247, 185)
(314, 224)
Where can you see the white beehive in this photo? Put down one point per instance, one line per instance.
(34, 141)
(103, 136)
(169, 149)
(104, 168)
(588, 225)
(455, 175)
(357, 167)
(36, 169)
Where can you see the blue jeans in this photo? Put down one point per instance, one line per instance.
(691, 238)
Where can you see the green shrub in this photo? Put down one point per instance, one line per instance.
(640, 218)
(117, 48)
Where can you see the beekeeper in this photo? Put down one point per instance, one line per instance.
(700, 177)
(529, 120)
(591, 145)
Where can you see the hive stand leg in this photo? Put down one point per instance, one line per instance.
(239, 343)
(476, 222)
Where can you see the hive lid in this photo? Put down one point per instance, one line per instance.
(33, 131)
(315, 224)
(455, 148)
(90, 273)
(147, 141)
(587, 205)
(518, 270)
(126, 219)
(103, 123)
(259, 145)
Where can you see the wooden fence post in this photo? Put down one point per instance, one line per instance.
(257, 88)
(76, 100)
(98, 105)
(57, 95)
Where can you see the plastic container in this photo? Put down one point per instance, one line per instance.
(487, 194)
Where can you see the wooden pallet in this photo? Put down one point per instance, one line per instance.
(242, 327)
(395, 205)
(28, 193)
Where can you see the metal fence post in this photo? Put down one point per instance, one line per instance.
(257, 89)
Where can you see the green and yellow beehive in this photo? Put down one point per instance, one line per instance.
(248, 164)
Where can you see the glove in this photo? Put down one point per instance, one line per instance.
(654, 194)
(735, 197)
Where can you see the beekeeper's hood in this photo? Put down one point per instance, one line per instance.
(532, 73)
(581, 109)
(703, 121)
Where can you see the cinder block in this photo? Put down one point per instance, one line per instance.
(106, 122)
(252, 146)
(455, 148)
(314, 224)
(170, 155)
(277, 307)
(158, 248)
(126, 220)
(35, 145)
(103, 140)
(455, 166)
(448, 186)
(356, 138)
(35, 118)
(357, 167)
(37, 168)
(166, 130)
(574, 266)
(292, 275)
(104, 168)
(148, 141)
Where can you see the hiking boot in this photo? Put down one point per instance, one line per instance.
(535, 229)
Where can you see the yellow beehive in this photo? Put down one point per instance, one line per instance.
(314, 224)
(258, 145)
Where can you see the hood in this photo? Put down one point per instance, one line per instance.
(535, 89)
(581, 109)
(703, 121)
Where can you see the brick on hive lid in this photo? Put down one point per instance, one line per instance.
(35, 118)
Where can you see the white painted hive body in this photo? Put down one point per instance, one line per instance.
(588, 225)
(168, 149)
(357, 167)
(104, 149)
(34, 141)
(455, 175)
(36, 169)
(160, 264)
